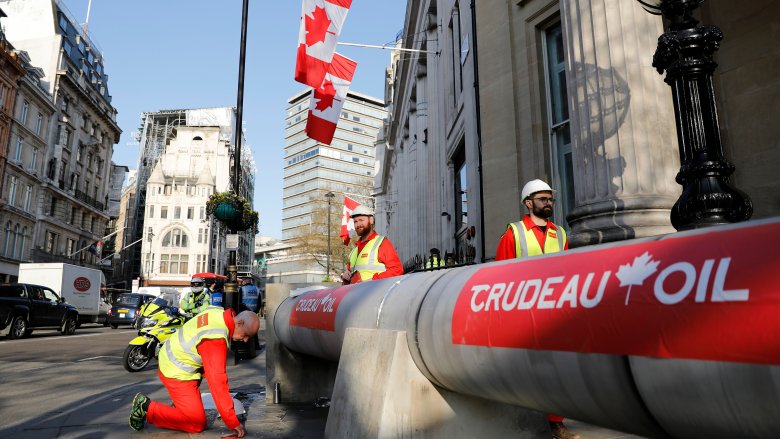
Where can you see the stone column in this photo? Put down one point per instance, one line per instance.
(624, 144)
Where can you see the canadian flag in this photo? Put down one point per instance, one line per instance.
(347, 224)
(321, 22)
(326, 101)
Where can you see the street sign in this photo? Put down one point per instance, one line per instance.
(231, 242)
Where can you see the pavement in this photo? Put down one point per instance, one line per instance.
(106, 416)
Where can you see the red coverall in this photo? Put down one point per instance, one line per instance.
(188, 414)
(507, 250)
(386, 255)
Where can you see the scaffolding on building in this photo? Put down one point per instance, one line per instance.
(157, 131)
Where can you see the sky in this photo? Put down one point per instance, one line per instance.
(170, 54)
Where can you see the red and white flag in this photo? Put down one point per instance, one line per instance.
(321, 22)
(326, 101)
(347, 224)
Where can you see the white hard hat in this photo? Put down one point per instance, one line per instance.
(362, 210)
(533, 187)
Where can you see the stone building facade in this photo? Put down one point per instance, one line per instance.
(76, 169)
(565, 92)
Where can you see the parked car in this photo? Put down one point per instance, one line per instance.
(125, 309)
(24, 307)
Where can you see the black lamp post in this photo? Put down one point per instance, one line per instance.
(329, 196)
(685, 53)
(232, 299)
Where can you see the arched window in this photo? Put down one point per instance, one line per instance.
(16, 239)
(175, 238)
(7, 238)
(22, 242)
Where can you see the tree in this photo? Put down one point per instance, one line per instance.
(311, 240)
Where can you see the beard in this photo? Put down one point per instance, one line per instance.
(364, 231)
(545, 212)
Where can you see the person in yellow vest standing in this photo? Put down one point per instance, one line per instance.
(374, 256)
(199, 347)
(535, 235)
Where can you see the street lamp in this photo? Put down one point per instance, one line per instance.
(232, 297)
(685, 53)
(329, 196)
(149, 261)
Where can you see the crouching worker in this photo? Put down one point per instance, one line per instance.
(200, 346)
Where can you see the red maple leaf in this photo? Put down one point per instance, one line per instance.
(317, 26)
(325, 95)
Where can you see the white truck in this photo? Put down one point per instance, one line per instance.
(80, 286)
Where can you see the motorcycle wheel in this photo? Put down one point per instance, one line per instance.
(136, 357)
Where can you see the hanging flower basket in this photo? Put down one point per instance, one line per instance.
(233, 211)
(227, 212)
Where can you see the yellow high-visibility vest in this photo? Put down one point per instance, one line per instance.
(528, 245)
(367, 264)
(179, 357)
(434, 262)
(189, 304)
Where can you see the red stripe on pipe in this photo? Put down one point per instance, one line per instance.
(708, 296)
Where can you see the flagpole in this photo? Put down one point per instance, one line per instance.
(101, 239)
(373, 46)
(120, 251)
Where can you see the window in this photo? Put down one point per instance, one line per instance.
(69, 246)
(202, 213)
(25, 109)
(27, 198)
(164, 212)
(200, 266)
(202, 237)
(355, 159)
(34, 160)
(175, 238)
(63, 24)
(461, 188)
(174, 264)
(349, 146)
(356, 118)
(53, 206)
(455, 34)
(65, 105)
(19, 147)
(151, 211)
(67, 47)
(12, 190)
(7, 238)
(190, 212)
(79, 153)
(38, 124)
(558, 119)
(51, 241)
(15, 246)
(176, 212)
(74, 181)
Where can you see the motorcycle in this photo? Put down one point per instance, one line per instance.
(156, 323)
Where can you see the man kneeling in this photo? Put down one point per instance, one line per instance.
(200, 345)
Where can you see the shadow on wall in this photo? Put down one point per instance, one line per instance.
(606, 107)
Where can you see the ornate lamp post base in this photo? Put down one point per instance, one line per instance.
(685, 54)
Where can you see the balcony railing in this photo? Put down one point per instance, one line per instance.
(82, 196)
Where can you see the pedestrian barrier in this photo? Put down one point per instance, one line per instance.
(673, 336)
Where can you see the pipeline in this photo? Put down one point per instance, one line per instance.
(672, 336)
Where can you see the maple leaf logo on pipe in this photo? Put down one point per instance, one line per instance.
(317, 26)
(636, 272)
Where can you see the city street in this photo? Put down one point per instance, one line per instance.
(75, 387)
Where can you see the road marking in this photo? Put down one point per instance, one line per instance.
(98, 357)
(70, 337)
